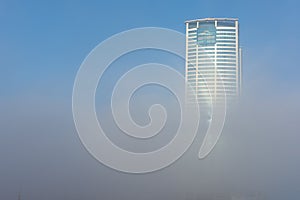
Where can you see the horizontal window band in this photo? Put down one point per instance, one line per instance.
(226, 60)
(232, 49)
(225, 30)
(225, 41)
(226, 52)
(225, 56)
(229, 37)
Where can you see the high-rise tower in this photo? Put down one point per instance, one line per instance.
(213, 59)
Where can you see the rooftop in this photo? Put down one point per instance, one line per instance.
(212, 19)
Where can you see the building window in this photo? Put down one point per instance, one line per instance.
(231, 49)
(226, 52)
(226, 23)
(226, 31)
(226, 41)
(226, 64)
(226, 45)
(192, 25)
(225, 56)
(226, 60)
(226, 37)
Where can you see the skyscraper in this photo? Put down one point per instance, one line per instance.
(213, 59)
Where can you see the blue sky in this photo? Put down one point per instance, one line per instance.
(44, 43)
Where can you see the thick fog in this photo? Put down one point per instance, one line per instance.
(256, 157)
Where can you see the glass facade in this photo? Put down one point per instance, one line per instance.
(213, 58)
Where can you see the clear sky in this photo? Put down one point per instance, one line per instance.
(43, 43)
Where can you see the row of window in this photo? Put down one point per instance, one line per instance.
(220, 23)
(226, 30)
(221, 81)
(202, 68)
(220, 45)
(212, 81)
(226, 60)
(210, 77)
(194, 41)
(211, 58)
(192, 46)
(206, 57)
(225, 45)
(225, 56)
(228, 34)
(205, 49)
(219, 63)
(231, 49)
(203, 52)
(220, 94)
(207, 87)
(212, 54)
(204, 92)
(227, 68)
(211, 62)
(226, 23)
(218, 37)
(211, 87)
(192, 53)
(193, 31)
(192, 25)
(220, 33)
(206, 64)
(228, 79)
(225, 38)
(212, 70)
(212, 73)
(192, 35)
(225, 64)
(225, 41)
